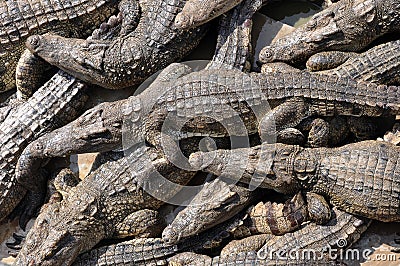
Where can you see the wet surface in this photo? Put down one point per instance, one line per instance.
(291, 12)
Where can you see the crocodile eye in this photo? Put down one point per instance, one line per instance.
(266, 55)
(34, 41)
(311, 24)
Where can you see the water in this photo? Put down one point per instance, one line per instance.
(291, 12)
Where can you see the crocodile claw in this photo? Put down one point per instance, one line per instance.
(16, 245)
(13, 253)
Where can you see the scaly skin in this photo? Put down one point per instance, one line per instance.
(240, 259)
(104, 120)
(233, 50)
(348, 25)
(142, 223)
(215, 203)
(77, 19)
(130, 58)
(343, 227)
(380, 64)
(35, 68)
(277, 219)
(254, 242)
(97, 206)
(155, 251)
(198, 12)
(293, 97)
(56, 103)
(360, 178)
(141, 252)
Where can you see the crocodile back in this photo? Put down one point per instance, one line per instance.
(362, 178)
(22, 18)
(56, 104)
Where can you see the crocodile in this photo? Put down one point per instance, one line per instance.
(107, 117)
(348, 25)
(21, 19)
(338, 130)
(32, 70)
(141, 252)
(155, 251)
(198, 12)
(360, 178)
(216, 202)
(53, 105)
(97, 207)
(57, 102)
(343, 97)
(277, 218)
(239, 100)
(129, 59)
(380, 64)
(341, 231)
(107, 31)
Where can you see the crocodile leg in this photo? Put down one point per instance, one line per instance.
(290, 136)
(33, 67)
(318, 209)
(142, 223)
(288, 114)
(328, 60)
(319, 133)
(250, 243)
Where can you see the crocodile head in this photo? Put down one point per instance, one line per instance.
(198, 12)
(91, 60)
(60, 233)
(348, 25)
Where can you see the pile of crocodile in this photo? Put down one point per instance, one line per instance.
(234, 163)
